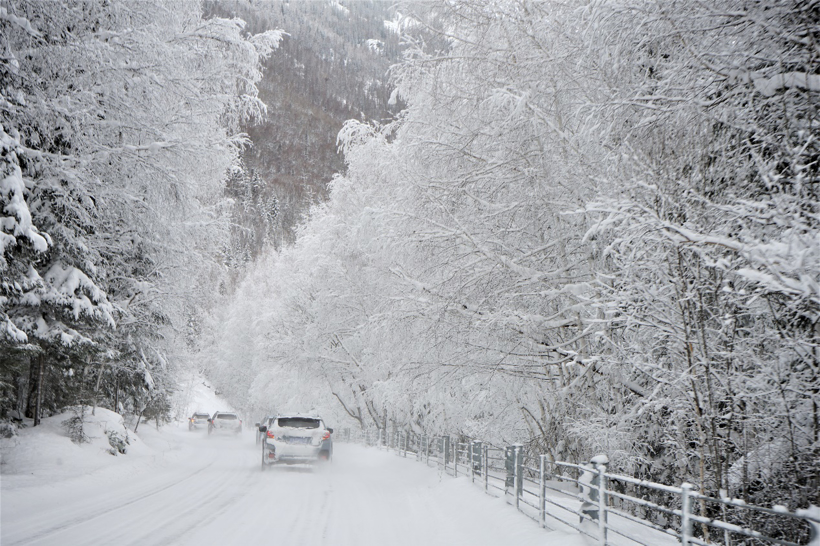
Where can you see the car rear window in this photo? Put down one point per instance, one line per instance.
(298, 422)
(226, 416)
(201, 416)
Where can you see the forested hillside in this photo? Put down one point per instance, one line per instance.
(594, 228)
(151, 151)
(119, 124)
(331, 66)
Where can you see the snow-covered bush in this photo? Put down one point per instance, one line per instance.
(75, 425)
(118, 440)
(7, 429)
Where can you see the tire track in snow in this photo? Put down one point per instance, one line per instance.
(170, 525)
(30, 539)
(299, 527)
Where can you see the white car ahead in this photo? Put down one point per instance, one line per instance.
(295, 439)
(199, 419)
(225, 421)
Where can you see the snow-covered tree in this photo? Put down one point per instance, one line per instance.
(127, 116)
(591, 229)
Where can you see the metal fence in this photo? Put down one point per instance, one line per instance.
(611, 509)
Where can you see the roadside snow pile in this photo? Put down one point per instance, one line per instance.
(71, 443)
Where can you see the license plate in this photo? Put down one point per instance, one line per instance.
(297, 440)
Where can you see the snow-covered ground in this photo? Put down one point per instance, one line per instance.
(187, 488)
(179, 487)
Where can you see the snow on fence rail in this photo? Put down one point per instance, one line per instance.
(612, 509)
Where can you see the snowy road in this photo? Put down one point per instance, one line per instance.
(211, 491)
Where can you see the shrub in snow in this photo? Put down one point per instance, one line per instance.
(74, 426)
(118, 441)
(7, 429)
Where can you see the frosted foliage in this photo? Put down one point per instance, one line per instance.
(17, 223)
(119, 123)
(594, 231)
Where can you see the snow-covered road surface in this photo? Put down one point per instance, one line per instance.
(210, 491)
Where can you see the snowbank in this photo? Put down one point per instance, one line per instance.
(47, 452)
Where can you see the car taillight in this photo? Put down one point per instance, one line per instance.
(326, 436)
(270, 435)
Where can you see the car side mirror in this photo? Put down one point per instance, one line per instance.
(256, 425)
(330, 430)
(263, 428)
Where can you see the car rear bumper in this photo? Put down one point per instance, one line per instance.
(226, 429)
(294, 454)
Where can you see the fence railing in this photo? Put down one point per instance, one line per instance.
(611, 509)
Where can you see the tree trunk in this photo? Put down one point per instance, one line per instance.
(21, 389)
(38, 401)
(97, 389)
(32, 388)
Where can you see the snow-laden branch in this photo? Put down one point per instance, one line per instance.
(769, 86)
(18, 222)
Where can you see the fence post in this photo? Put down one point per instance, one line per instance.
(470, 459)
(519, 483)
(475, 457)
(512, 463)
(685, 512)
(509, 469)
(486, 461)
(542, 494)
(601, 467)
(455, 459)
(427, 448)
